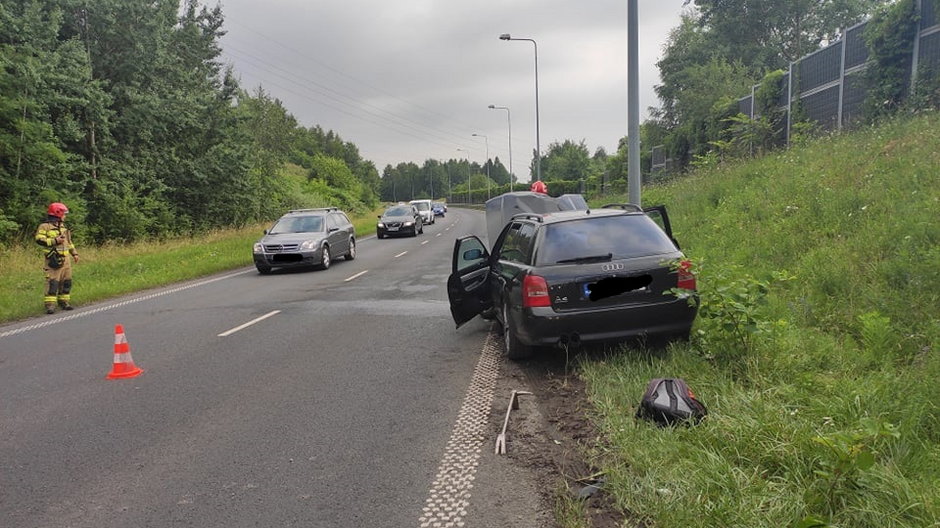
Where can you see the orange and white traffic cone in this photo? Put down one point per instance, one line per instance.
(123, 366)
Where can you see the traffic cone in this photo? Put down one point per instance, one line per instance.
(123, 366)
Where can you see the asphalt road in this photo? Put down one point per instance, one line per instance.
(333, 412)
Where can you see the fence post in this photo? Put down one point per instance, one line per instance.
(789, 102)
(841, 82)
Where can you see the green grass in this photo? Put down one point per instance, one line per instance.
(842, 360)
(113, 270)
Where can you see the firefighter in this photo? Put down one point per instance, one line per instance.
(56, 242)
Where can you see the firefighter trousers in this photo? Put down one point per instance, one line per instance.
(58, 283)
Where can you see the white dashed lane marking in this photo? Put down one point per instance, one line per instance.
(425, 242)
(356, 276)
(249, 323)
(449, 496)
(400, 254)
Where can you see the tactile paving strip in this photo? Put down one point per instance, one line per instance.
(450, 493)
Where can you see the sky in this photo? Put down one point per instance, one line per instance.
(411, 80)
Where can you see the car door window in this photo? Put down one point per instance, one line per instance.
(517, 245)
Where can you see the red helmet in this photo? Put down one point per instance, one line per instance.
(58, 209)
(539, 187)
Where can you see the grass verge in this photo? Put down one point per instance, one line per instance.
(815, 348)
(114, 269)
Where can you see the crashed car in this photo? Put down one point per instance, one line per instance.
(574, 276)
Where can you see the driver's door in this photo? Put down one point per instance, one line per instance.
(468, 286)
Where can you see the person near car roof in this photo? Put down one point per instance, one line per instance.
(539, 187)
(56, 240)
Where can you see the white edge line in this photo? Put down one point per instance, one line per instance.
(400, 254)
(249, 323)
(92, 311)
(356, 276)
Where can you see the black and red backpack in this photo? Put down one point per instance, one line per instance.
(668, 401)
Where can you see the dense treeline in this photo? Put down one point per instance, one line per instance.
(124, 110)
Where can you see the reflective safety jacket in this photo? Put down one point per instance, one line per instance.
(51, 229)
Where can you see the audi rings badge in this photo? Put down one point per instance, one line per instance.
(613, 266)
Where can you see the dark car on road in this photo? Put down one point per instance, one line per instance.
(574, 277)
(306, 237)
(402, 219)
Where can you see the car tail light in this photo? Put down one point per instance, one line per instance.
(686, 277)
(535, 292)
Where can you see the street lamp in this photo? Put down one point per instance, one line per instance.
(509, 120)
(469, 199)
(538, 149)
(487, 143)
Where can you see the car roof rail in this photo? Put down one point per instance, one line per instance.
(625, 206)
(528, 216)
(313, 210)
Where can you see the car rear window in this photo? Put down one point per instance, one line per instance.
(422, 206)
(624, 236)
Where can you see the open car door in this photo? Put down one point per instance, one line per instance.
(468, 286)
(658, 214)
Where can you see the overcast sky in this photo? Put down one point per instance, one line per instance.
(409, 80)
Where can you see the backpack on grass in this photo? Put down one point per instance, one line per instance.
(668, 401)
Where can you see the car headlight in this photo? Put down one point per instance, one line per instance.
(381, 224)
(257, 248)
(409, 224)
(309, 244)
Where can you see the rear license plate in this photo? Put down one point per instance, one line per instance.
(612, 286)
(393, 229)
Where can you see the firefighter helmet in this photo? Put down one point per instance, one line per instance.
(58, 209)
(539, 187)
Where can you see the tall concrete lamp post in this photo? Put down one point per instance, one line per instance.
(508, 120)
(538, 148)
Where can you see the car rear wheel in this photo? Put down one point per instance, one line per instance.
(515, 349)
(351, 255)
(325, 259)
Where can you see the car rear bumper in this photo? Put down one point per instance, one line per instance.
(546, 327)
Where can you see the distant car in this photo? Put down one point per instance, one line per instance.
(306, 237)
(438, 209)
(424, 207)
(575, 276)
(401, 219)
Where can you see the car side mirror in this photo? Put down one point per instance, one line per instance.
(266, 231)
(473, 254)
(380, 217)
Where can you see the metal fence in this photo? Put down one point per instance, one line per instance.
(829, 84)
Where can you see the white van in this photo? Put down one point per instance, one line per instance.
(424, 207)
